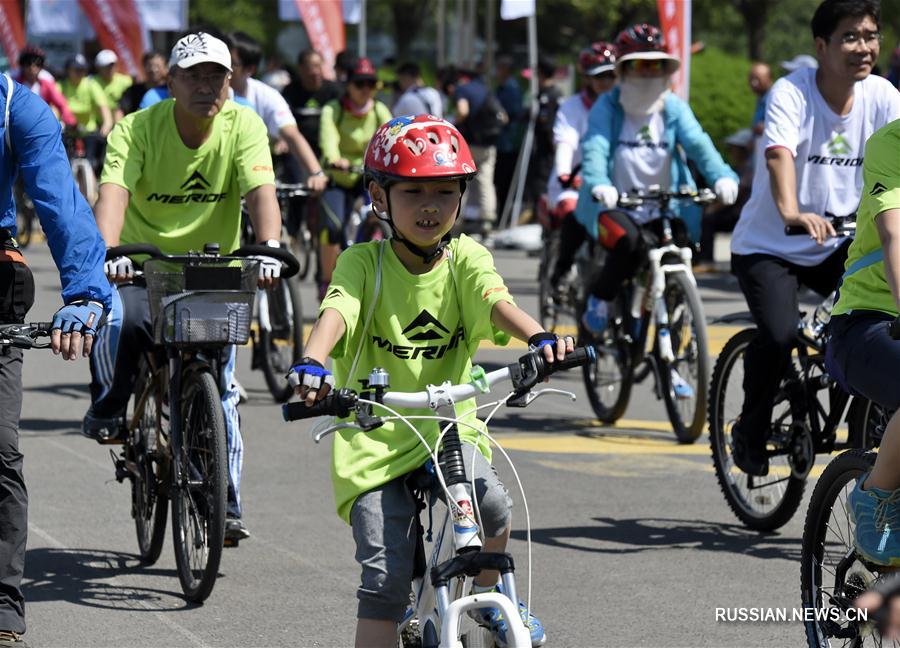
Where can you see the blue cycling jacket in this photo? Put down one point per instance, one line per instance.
(598, 148)
(39, 155)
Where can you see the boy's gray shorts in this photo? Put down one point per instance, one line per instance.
(384, 529)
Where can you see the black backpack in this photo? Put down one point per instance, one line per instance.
(482, 128)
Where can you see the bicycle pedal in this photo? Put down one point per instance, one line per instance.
(231, 543)
(111, 441)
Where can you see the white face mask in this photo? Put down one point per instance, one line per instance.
(642, 95)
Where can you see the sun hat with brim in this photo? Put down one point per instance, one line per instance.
(198, 48)
(600, 69)
(672, 62)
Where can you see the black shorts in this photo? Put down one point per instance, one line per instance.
(864, 358)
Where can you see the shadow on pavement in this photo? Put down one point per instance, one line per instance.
(81, 576)
(636, 535)
(50, 425)
(71, 390)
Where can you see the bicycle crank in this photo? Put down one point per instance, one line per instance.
(802, 456)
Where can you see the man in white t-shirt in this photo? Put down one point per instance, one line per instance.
(271, 106)
(416, 98)
(817, 124)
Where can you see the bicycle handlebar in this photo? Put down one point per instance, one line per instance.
(288, 190)
(292, 266)
(25, 336)
(843, 226)
(655, 194)
(529, 370)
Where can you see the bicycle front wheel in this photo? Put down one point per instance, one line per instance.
(547, 306)
(149, 494)
(608, 379)
(198, 503)
(761, 503)
(281, 346)
(831, 573)
(684, 382)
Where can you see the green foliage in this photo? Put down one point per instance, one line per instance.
(720, 96)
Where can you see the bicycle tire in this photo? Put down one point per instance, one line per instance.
(866, 422)
(149, 493)
(836, 481)
(775, 506)
(198, 525)
(303, 247)
(609, 396)
(691, 359)
(24, 216)
(85, 179)
(286, 319)
(547, 311)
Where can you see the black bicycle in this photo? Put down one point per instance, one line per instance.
(175, 437)
(659, 308)
(808, 411)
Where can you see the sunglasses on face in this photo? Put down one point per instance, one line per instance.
(604, 76)
(647, 65)
(364, 83)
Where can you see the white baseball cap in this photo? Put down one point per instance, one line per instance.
(742, 138)
(104, 58)
(800, 61)
(198, 48)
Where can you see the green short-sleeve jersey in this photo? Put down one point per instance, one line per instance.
(85, 101)
(425, 330)
(115, 88)
(866, 288)
(183, 198)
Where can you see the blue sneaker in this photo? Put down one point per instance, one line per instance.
(683, 391)
(596, 315)
(876, 513)
(493, 619)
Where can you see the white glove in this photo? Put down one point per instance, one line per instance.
(727, 191)
(606, 195)
(119, 269)
(269, 268)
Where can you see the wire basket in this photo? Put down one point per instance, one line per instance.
(201, 302)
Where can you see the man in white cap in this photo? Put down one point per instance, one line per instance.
(174, 177)
(114, 83)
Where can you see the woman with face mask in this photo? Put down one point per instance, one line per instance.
(639, 134)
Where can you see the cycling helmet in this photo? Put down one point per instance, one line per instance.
(418, 147)
(644, 42)
(31, 53)
(600, 57)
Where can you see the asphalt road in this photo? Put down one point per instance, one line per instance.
(633, 544)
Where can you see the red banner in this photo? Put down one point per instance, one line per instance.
(118, 27)
(324, 22)
(675, 21)
(12, 31)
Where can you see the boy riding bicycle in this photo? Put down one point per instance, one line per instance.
(417, 305)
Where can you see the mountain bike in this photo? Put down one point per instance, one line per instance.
(83, 167)
(659, 308)
(439, 596)
(294, 215)
(809, 408)
(174, 440)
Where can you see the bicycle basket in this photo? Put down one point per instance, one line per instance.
(205, 303)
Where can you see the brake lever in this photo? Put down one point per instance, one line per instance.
(318, 436)
(524, 399)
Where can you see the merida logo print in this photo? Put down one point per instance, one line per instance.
(644, 139)
(837, 147)
(425, 327)
(644, 134)
(194, 184)
(334, 292)
(428, 324)
(877, 189)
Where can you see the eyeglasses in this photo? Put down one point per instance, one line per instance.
(852, 39)
(647, 65)
(214, 79)
(364, 83)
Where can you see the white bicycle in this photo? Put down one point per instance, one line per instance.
(439, 596)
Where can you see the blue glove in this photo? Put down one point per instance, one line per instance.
(81, 316)
(311, 374)
(540, 340)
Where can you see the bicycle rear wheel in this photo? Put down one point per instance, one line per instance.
(761, 503)
(609, 378)
(548, 308)
(149, 491)
(687, 332)
(831, 575)
(198, 503)
(281, 346)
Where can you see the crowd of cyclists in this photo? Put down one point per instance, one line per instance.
(200, 135)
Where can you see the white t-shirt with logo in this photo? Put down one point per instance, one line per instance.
(828, 155)
(642, 157)
(569, 127)
(270, 105)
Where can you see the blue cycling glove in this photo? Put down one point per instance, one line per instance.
(540, 340)
(311, 374)
(82, 316)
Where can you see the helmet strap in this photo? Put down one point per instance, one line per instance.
(427, 257)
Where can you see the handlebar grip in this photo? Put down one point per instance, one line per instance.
(292, 266)
(300, 410)
(131, 249)
(795, 230)
(579, 357)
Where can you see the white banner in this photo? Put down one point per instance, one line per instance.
(163, 15)
(513, 9)
(57, 18)
(352, 10)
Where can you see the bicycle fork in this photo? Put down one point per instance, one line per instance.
(658, 273)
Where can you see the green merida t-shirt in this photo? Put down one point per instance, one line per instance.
(425, 330)
(183, 198)
(867, 288)
(115, 88)
(84, 101)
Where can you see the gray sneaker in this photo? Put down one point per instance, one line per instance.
(10, 638)
(235, 530)
(102, 430)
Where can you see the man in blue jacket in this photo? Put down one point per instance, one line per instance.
(31, 145)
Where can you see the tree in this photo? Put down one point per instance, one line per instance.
(754, 13)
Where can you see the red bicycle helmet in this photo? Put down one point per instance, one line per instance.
(418, 147)
(600, 57)
(643, 42)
